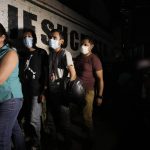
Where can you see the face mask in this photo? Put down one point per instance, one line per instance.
(28, 42)
(54, 44)
(84, 49)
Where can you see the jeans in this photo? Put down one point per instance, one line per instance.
(33, 110)
(9, 127)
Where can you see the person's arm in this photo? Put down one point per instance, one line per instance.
(70, 66)
(45, 70)
(72, 72)
(100, 87)
(42, 96)
(7, 65)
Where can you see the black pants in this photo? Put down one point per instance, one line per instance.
(58, 121)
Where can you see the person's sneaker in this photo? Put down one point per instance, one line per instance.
(35, 148)
(27, 139)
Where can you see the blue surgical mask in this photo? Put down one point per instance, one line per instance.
(54, 44)
(28, 42)
(84, 49)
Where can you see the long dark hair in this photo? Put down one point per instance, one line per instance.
(3, 32)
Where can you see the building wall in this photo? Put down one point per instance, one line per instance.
(44, 15)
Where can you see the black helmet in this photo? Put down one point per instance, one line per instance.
(74, 90)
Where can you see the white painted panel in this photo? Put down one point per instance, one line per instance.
(56, 13)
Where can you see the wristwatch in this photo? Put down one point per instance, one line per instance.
(98, 96)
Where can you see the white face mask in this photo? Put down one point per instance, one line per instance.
(28, 42)
(54, 44)
(84, 49)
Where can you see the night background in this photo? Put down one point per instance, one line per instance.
(126, 20)
(123, 121)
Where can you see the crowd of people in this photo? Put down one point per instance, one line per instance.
(55, 78)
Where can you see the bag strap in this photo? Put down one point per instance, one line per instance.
(60, 59)
(56, 59)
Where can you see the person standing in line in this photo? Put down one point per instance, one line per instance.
(33, 80)
(60, 66)
(11, 97)
(89, 69)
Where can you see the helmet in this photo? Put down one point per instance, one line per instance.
(74, 90)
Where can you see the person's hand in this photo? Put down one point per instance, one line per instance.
(41, 98)
(99, 101)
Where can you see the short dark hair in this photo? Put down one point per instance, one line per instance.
(33, 35)
(59, 31)
(87, 37)
(3, 32)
